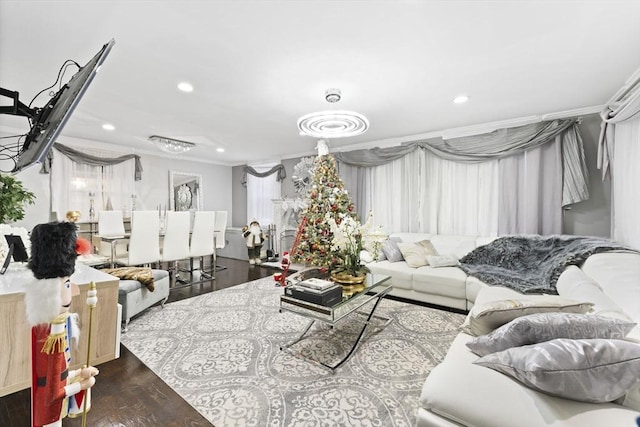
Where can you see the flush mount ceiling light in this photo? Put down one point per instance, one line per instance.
(461, 99)
(172, 146)
(333, 124)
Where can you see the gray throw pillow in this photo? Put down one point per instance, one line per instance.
(593, 370)
(541, 327)
(390, 249)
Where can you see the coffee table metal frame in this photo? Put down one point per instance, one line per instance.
(332, 315)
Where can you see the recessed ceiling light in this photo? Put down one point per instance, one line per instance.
(460, 99)
(108, 126)
(220, 150)
(185, 87)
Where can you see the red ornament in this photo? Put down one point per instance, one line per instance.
(350, 208)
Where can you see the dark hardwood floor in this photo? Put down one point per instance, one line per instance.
(129, 394)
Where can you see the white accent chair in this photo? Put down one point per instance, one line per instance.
(175, 245)
(220, 231)
(202, 241)
(144, 242)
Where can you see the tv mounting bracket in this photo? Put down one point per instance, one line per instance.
(18, 108)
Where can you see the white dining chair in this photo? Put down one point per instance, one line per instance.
(144, 241)
(202, 241)
(110, 224)
(175, 244)
(220, 233)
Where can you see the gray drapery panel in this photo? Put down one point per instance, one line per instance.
(622, 107)
(282, 173)
(87, 159)
(495, 145)
(575, 175)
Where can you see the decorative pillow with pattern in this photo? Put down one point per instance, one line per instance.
(590, 370)
(484, 318)
(541, 327)
(390, 249)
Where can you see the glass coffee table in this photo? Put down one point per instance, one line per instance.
(353, 300)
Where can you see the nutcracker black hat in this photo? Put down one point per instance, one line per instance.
(53, 250)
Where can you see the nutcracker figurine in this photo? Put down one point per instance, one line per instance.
(54, 389)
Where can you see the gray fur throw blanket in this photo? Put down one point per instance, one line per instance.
(531, 264)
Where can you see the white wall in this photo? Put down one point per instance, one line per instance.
(151, 191)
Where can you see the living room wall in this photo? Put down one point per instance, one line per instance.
(151, 191)
(591, 217)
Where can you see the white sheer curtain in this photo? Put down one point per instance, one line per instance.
(72, 182)
(460, 198)
(625, 184)
(424, 193)
(530, 191)
(260, 195)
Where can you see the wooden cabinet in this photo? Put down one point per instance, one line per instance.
(15, 336)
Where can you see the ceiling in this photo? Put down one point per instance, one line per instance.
(257, 66)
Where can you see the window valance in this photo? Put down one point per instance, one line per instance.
(88, 159)
(495, 145)
(279, 169)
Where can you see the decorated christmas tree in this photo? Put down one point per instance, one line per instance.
(327, 200)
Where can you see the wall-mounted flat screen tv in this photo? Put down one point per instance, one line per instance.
(50, 119)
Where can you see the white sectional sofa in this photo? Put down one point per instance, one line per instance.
(445, 286)
(461, 393)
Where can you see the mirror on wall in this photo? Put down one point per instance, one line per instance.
(185, 191)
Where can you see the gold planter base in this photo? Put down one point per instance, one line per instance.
(346, 279)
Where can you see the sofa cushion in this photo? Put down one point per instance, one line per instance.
(401, 274)
(447, 281)
(540, 327)
(617, 274)
(573, 283)
(590, 370)
(473, 289)
(472, 395)
(453, 245)
(485, 317)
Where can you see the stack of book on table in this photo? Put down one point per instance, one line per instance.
(316, 291)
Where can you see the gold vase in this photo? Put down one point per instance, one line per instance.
(73, 216)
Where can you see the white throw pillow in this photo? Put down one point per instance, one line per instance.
(413, 254)
(442, 260)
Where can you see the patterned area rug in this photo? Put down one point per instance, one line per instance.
(221, 352)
